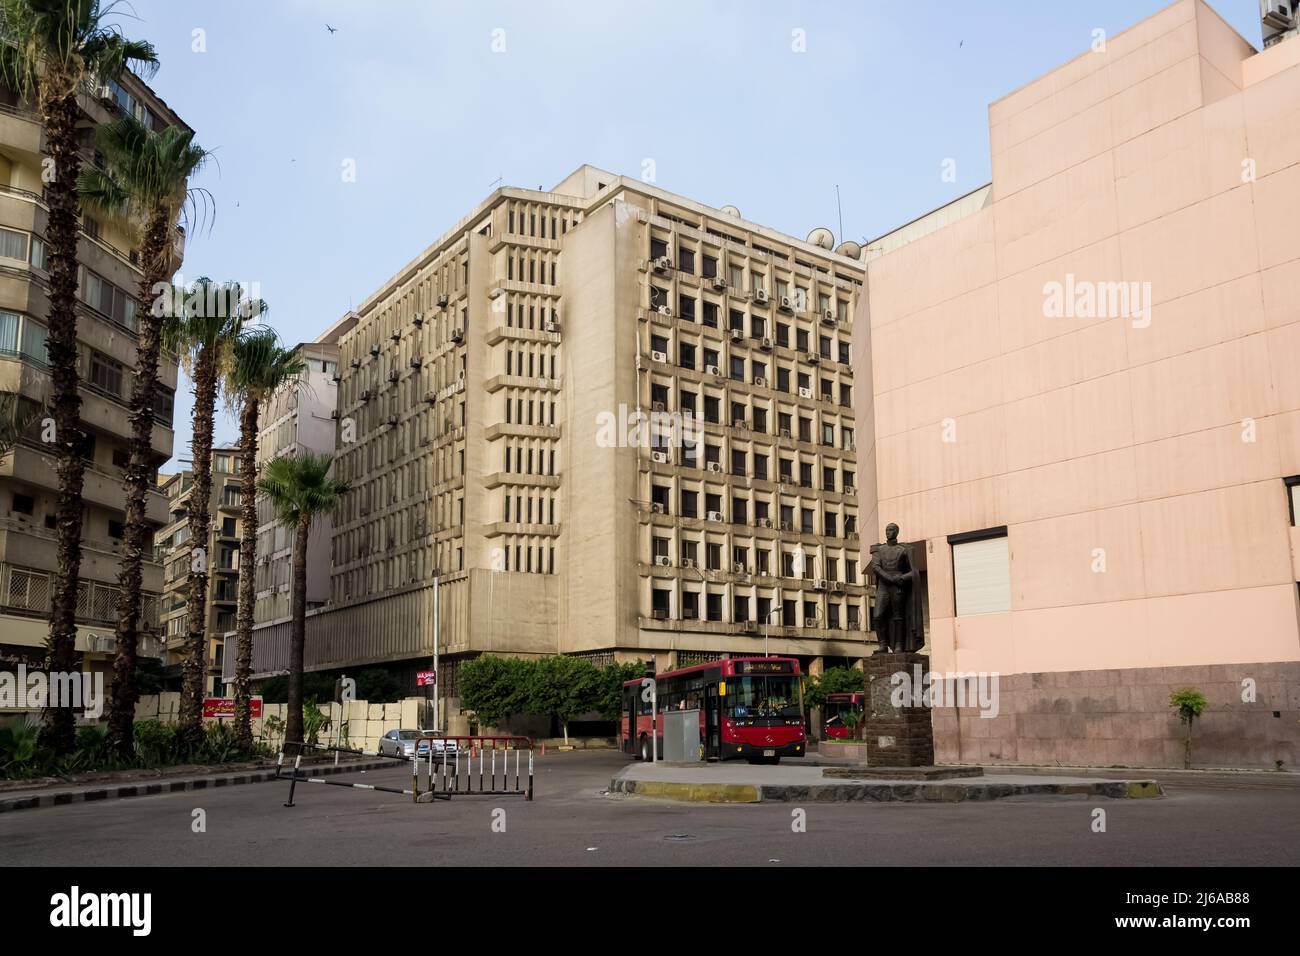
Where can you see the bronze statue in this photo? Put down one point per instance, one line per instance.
(896, 616)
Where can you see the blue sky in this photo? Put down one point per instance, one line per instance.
(712, 91)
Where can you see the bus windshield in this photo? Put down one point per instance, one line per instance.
(767, 696)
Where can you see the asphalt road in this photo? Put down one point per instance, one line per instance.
(573, 823)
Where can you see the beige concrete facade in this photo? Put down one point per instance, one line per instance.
(175, 551)
(109, 280)
(487, 409)
(1134, 462)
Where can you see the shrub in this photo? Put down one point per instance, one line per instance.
(155, 743)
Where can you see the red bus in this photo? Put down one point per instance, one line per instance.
(750, 708)
(837, 705)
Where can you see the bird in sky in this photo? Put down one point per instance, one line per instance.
(331, 29)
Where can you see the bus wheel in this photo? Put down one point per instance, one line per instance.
(645, 749)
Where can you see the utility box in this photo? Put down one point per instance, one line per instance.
(681, 735)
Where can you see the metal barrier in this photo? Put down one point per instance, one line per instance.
(444, 764)
(459, 777)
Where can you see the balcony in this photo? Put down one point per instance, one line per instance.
(101, 488)
(28, 592)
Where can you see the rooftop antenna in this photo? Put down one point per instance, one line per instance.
(839, 209)
(498, 181)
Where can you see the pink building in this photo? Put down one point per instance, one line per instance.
(1079, 395)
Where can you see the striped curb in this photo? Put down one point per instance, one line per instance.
(881, 792)
(59, 798)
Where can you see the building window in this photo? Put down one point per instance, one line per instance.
(981, 571)
(13, 245)
(105, 374)
(1293, 497)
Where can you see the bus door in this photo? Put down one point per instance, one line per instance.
(628, 726)
(712, 723)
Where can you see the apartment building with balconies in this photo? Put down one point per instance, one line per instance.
(504, 411)
(175, 550)
(107, 307)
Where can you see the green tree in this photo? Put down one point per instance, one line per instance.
(492, 688)
(833, 680)
(1189, 703)
(259, 366)
(300, 490)
(51, 50)
(609, 701)
(214, 316)
(564, 687)
(144, 184)
(376, 685)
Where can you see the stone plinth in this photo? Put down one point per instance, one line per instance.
(896, 736)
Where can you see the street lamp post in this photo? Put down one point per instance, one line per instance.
(767, 623)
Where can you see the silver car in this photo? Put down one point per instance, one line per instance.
(405, 742)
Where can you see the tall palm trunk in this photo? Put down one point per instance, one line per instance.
(59, 115)
(190, 718)
(247, 559)
(136, 534)
(298, 631)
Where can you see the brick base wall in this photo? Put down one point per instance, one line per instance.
(1122, 718)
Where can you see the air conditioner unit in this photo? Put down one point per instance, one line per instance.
(765, 345)
(392, 421)
(810, 622)
(837, 587)
(659, 457)
(852, 536)
(820, 584)
(785, 433)
(365, 395)
(658, 356)
(657, 507)
(805, 392)
(812, 358)
(397, 334)
(765, 522)
(714, 467)
(663, 263)
(827, 397)
(850, 490)
(443, 300)
(496, 292)
(713, 515)
(737, 335)
(787, 525)
(418, 320)
(552, 326)
(718, 283)
(760, 381)
(712, 370)
(393, 375)
(828, 317)
(458, 335)
(659, 614)
(374, 349)
(785, 305)
(658, 407)
(664, 310)
(760, 296)
(430, 396)
(739, 423)
(663, 561)
(737, 569)
(688, 562)
(335, 414)
(355, 363)
(1278, 14)
(416, 361)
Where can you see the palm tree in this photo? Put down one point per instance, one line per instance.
(16, 416)
(259, 367)
(145, 182)
(300, 489)
(214, 315)
(48, 50)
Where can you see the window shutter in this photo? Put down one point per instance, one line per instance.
(982, 576)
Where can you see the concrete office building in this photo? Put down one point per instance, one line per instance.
(109, 280)
(488, 401)
(1078, 394)
(300, 416)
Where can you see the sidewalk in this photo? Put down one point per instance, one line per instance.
(58, 795)
(743, 783)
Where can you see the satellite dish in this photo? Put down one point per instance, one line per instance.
(850, 250)
(731, 211)
(823, 237)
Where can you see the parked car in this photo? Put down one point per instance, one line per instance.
(440, 746)
(399, 743)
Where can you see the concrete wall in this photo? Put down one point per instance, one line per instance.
(1158, 447)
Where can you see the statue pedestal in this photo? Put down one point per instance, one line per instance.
(897, 736)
